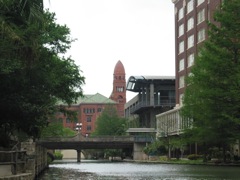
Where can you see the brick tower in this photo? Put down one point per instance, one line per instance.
(119, 88)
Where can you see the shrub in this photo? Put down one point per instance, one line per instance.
(58, 155)
(194, 156)
(163, 158)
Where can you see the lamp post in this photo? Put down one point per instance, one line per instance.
(78, 127)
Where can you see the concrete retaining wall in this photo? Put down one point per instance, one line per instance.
(23, 176)
(37, 158)
(25, 164)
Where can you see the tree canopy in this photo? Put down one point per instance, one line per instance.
(109, 123)
(56, 129)
(212, 96)
(34, 74)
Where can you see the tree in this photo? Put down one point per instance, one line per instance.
(109, 123)
(33, 74)
(56, 129)
(212, 96)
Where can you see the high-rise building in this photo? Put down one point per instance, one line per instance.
(191, 30)
(191, 17)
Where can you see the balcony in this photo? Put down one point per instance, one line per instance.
(164, 102)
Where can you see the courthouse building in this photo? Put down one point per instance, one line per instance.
(89, 107)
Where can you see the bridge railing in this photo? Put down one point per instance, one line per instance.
(90, 139)
(143, 139)
(111, 138)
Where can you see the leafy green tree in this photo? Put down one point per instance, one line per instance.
(109, 123)
(212, 97)
(33, 74)
(56, 129)
(156, 148)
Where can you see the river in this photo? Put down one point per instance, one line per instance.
(105, 170)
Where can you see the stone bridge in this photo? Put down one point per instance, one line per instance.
(80, 142)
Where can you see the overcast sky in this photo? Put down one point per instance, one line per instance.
(140, 33)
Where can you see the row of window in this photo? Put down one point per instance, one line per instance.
(91, 110)
(190, 22)
(190, 7)
(119, 89)
(190, 41)
(182, 80)
(89, 119)
(119, 77)
(68, 120)
(190, 62)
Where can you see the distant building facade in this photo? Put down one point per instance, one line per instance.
(89, 107)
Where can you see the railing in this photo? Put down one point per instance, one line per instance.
(79, 137)
(144, 104)
(139, 138)
(13, 158)
(110, 138)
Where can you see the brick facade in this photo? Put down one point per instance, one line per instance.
(89, 107)
(191, 28)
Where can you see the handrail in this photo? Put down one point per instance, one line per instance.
(89, 139)
(141, 104)
(12, 158)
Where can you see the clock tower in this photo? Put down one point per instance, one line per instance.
(119, 88)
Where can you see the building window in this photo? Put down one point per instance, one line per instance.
(75, 120)
(201, 35)
(89, 110)
(89, 118)
(190, 60)
(199, 2)
(68, 120)
(181, 65)
(201, 16)
(99, 110)
(181, 99)
(89, 128)
(119, 89)
(190, 41)
(181, 81)
(190, 74)
(189, 6)
(190, 23)
(181, 30)
(180, 13)
(181, 47)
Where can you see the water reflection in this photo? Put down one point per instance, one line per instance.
(102, 170)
